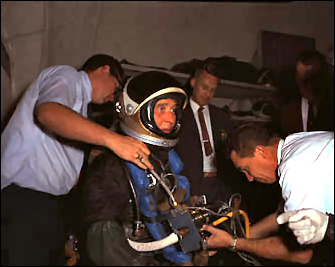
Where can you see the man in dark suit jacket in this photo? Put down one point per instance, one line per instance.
(292, 118)
(206, 173)
(307, 87)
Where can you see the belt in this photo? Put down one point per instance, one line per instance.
(210, 174)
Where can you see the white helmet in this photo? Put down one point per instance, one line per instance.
(136, 107)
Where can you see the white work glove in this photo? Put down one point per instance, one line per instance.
(308, 225)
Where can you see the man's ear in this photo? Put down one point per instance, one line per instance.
(260, 151)
(192, 82)
(105, 68)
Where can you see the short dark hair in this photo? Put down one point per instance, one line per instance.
(99, 60)
(209, 67)
(244, 137)
(311, 56)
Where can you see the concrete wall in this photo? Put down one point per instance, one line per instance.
(24, 35)
(152, 33)
(162, 33)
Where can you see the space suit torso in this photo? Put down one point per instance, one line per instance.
(107, 193)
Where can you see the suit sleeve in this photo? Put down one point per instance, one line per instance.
(330, 227)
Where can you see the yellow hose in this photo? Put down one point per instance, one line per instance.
(222, 219)
(246, 221)
(229, 215)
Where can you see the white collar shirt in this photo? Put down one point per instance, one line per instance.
(208, 161)
(36, 159)
(306, 171)
(304, 112)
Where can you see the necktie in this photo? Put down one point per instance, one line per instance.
(310, 119)
(205, 136)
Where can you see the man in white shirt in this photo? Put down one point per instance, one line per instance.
(41, 155)
(304, 165)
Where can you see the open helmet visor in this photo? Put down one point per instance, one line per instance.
(148, 119)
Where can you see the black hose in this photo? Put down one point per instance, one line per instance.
(130, 180)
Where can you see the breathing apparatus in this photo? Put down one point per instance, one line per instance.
(181, 223)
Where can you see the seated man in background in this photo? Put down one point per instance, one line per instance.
(117, 193)
(304, 165)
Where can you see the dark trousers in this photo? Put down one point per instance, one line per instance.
(32, 231)
(213, 187)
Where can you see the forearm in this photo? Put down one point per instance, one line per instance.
(264, 227)
(273, 248)
(71, 125)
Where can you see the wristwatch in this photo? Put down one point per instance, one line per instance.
(233, 244)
